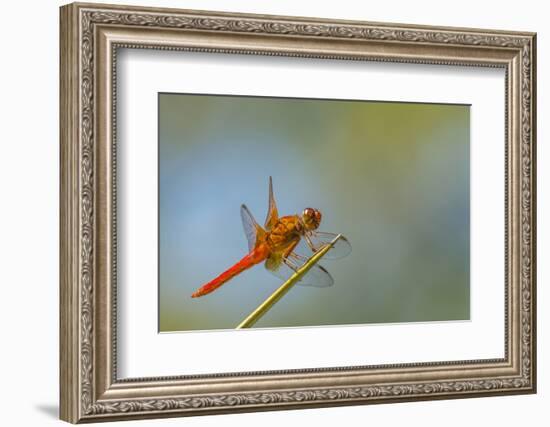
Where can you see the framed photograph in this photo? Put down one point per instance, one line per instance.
(267, 212)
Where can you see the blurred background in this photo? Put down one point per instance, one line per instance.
(392, 177)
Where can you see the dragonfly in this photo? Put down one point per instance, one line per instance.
(283, 245)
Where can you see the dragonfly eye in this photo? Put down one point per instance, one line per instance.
(311, 218)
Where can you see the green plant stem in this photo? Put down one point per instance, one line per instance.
(264, 307)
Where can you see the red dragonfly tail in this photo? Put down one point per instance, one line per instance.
(256, 256)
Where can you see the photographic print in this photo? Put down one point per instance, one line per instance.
(250, 188)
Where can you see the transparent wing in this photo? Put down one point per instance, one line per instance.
(272, 213)
(315, 240)
(317, 277)
(252, 229)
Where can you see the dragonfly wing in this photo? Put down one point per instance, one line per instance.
(317, 276)
(315, 240)
(252, 229)
(272, 213)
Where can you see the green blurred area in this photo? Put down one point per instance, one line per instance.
(392, 177)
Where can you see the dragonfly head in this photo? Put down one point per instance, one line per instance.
(311, 218)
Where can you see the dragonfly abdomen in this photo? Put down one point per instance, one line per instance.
(257, 255)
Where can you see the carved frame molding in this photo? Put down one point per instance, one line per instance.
(90, 37)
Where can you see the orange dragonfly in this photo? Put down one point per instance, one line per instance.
(278, 245)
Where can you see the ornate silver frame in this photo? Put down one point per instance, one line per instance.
(90, 36)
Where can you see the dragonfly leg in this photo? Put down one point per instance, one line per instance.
(297, 257)
(291, 248)
(288, 254)
(290, 264)
(317, 277)
(310, 243)
(296, 260)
